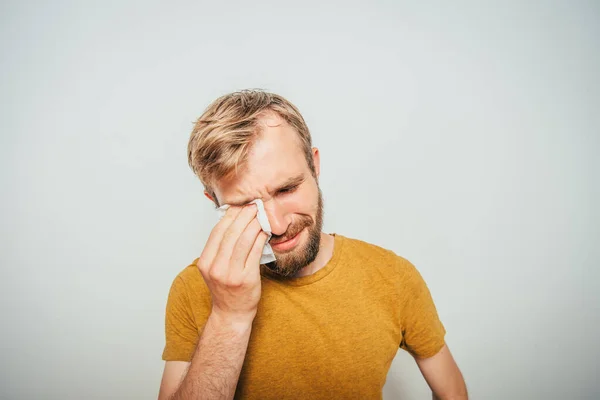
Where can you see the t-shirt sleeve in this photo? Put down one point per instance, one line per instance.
(422, 331)
(181, 333)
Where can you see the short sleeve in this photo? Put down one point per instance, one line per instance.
(422, 331)
(181, 333)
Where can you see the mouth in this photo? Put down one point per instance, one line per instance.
(289, 244)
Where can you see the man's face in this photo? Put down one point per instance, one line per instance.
(277, 172)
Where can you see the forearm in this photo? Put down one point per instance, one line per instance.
(458, 392)
(454, 388)
(459, 396)
(217, 362)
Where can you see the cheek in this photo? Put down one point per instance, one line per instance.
(303, 201)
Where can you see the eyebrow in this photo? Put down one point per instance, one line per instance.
(290, 182)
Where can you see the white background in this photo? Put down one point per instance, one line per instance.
(462, 135)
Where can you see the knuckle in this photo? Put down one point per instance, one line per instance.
(229, 234)
(215, 275)
(246, 240)
(255, 225)
(219, 230)
(202, 263)
(232, 212)
(224, 221)
(235, 282)
(253, 229)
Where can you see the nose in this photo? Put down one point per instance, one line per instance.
(278, 218)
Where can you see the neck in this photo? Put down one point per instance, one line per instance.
(323, 257)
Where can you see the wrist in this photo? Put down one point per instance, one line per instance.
(239, 323)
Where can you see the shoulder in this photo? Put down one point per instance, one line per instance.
(360, 248)
(379, 256)
(189, 281)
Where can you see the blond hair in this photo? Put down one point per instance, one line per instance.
(223, 136)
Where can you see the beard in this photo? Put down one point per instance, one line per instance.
(289, 264)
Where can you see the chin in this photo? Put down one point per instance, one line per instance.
(291, 262)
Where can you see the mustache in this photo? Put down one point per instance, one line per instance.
(292, 231)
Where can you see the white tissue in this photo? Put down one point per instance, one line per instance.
(267, 253)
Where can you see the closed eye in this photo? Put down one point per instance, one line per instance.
(289, 189)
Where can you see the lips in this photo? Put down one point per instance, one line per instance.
(286, 244)
(284, 240)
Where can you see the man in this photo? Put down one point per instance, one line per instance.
(325, 319)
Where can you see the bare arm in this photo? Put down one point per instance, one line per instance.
(229, 265)
(217, 362)
(443, 376)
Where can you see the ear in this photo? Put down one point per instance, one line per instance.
(316, 160)
(208, 196)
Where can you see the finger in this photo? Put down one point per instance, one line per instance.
(216, 236)
(231, 236)
(243, 246)
(252, 267)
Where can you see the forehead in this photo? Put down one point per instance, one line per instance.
(276, 143)
(275, 156)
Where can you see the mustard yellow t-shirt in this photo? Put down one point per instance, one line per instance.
(330, 335)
